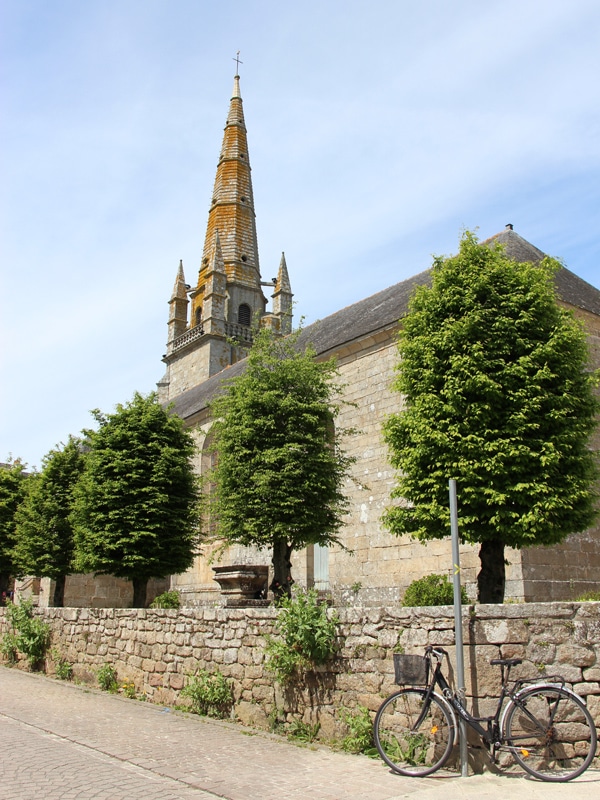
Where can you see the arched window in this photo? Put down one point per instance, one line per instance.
(198, 317)
(244, 314)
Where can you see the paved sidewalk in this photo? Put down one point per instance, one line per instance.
(66, 742)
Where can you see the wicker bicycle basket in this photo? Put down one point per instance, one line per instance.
(410, 670)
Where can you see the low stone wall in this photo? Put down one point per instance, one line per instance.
(155, 649)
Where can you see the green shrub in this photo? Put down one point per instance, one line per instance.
(587, 596)
(308, 636)
(8, 647)
(432, 590)
(29, 635)
(302, 731)
(209, 694)
(167, 600)
(62, 668)
(359, 738)
(107, 678)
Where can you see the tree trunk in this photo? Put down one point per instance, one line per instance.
(140, 589)
(491, 579)
(58, 600)
(281, 585)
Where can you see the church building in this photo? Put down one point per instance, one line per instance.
(209, 332)
(210, 327)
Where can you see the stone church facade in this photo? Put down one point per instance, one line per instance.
(208, 335)
(210, 328)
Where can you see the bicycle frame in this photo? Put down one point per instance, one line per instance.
(488, 734)
(492, 734)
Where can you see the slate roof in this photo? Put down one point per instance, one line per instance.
(383, 310)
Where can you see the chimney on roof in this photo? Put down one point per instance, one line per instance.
(509, 226)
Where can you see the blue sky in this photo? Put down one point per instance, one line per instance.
(377, 132)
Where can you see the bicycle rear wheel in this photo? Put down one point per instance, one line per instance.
(412, 738)
(551, 733)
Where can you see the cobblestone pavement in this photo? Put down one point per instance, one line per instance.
(67, 742)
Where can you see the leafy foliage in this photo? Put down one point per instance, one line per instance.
(167, 600)
(29, 635)
(209, 693)
(13, 479)
(278, 478)
(359, 738)
(44, 534)
(302, 731)
(107, 678)
(63, 669)
(497, 396)
(432, 590)
(589, 596)
(135, 506)
(308, 636)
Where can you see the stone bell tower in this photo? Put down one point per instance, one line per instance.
(211, 325)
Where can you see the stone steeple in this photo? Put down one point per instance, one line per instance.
(232, 215)
(227, 302)
(282, 298)
(178, 306)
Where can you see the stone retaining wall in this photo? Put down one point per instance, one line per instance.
(155, 649)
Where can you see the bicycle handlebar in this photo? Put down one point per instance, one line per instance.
(436, 650)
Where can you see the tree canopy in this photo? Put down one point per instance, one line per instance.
(498, 396)
(135, 510)
(278, 478)
(12, 491)
(44, 544)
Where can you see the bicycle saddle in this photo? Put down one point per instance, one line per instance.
(506, 662)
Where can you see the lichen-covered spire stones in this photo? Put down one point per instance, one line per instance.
(282, 298)
(178, 306)
(227, 301)
(232, 215)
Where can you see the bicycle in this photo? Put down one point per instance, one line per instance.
(544, 725)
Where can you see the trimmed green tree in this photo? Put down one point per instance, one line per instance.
(12, 491)
(44, 534)
(496, 395)
(278, 478)
(135, 512)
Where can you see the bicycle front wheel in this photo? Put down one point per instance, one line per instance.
(414, 736)
(551, 733)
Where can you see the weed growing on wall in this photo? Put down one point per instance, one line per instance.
(28, 635)
(209, 694)
(63, 669)
(302, 731)
(307, 636)
(128, 690)
(359, 738)
(107, 678)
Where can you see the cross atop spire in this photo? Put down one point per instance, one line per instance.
(237, 63)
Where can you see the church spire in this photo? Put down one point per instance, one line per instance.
(178, 305)
(227, 301)
(282, 298)
(232, 214)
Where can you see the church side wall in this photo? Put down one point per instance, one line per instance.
(381, 563)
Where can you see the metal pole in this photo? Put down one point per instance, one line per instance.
(460, 661)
